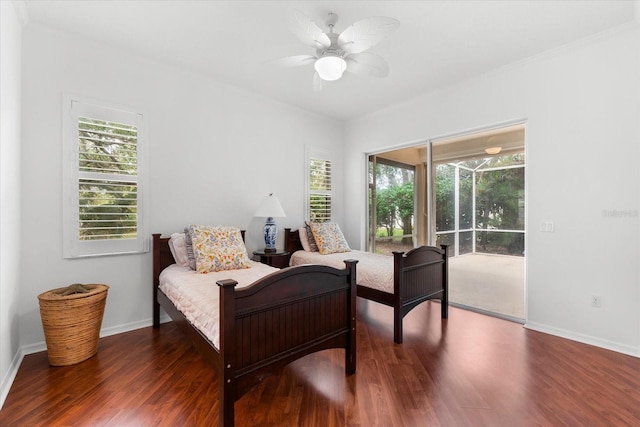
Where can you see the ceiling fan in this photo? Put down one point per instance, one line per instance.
(337, 53)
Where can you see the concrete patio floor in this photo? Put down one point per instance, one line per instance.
(486, 282)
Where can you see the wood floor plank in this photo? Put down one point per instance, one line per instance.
(467, 370)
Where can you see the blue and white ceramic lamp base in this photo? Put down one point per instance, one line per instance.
(270, 235)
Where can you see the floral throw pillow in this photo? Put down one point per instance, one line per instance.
(329, 238)
(218, 248)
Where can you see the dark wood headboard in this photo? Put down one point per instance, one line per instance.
(292, 241)
(162, 256)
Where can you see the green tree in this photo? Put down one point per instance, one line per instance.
(402, 196)
(499, 195)
(445, 197)
(394, 197)
(385, 210)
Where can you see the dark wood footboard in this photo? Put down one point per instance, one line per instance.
(419, 275)
(276, 320)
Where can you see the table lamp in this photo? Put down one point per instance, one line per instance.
(270, 208)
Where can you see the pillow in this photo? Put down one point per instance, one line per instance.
(304, 240)
(218, 248)
(313, 247)
(178, 247)
(190, 255)
(329, 238)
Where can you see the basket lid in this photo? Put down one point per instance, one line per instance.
(59, 293)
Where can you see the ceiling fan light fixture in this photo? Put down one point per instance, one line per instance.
(330, 67)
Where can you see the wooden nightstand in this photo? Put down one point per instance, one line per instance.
(279, 259)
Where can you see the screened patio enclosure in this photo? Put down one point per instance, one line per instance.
(467, 192)
(479, 205)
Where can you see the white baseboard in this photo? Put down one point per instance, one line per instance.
(585, 339)
(127, 327)
(119, 329)
(7, 381)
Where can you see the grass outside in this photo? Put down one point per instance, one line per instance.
(387, 246)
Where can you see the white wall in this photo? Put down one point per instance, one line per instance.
(215, 151)
(10, 116)
(581, 105)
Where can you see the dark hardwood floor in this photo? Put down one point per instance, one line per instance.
(468, 370)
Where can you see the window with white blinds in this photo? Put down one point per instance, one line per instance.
(103, 180)
(319, 188)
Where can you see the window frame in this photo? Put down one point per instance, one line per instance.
(75, 106)
(318, 154)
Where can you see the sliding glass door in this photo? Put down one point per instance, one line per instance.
(391, 205)
(467, 192)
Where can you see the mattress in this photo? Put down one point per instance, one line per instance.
(196, 295)
(373, 270)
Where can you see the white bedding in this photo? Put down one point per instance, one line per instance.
(196, 295)
(373, 270)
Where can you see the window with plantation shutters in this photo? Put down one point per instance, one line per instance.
(319, 188)
(103, 209)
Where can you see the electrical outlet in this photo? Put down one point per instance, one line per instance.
(596, 301)
(546, 227)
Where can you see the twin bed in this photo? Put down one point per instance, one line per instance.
(403, 281)
(265, 318)
(264, 323)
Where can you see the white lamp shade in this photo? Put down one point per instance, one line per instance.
(270, 208)
(330, 67)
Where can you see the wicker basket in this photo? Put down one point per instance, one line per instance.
(72, 323)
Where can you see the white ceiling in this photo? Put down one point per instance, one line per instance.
(438, 43)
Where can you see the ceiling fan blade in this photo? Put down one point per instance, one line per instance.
(317, 82)
(295, 61)
(367, 63)
(308, 32)
(366, 33)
